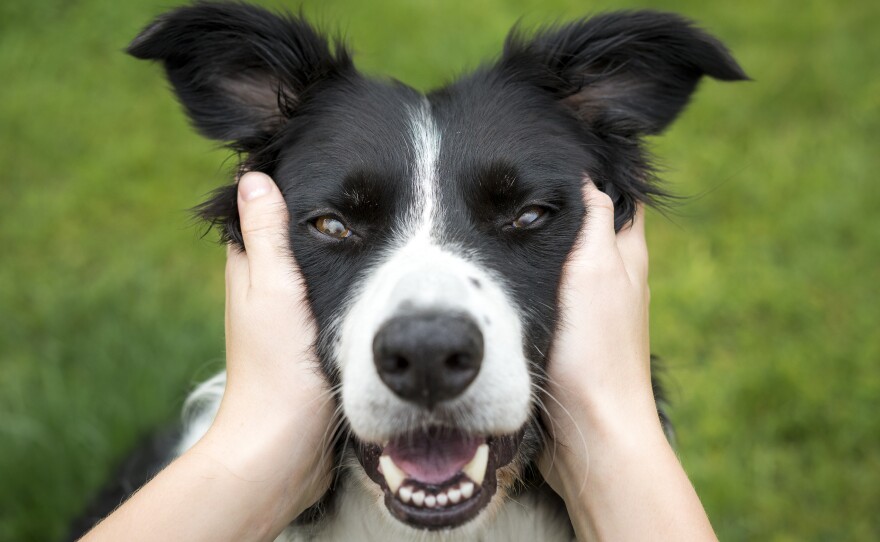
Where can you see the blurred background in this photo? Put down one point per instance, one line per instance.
(765, 282)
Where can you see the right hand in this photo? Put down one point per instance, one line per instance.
(276, 411)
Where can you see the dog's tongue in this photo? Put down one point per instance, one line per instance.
(432, 457)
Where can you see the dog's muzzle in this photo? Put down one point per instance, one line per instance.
(435, 384)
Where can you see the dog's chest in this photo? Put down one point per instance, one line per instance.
(360, 516)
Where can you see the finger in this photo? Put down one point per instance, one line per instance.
(237, 274)
(264, 219)
(633, 247)
(597, 234)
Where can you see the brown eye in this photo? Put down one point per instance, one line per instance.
(529, 217)
(332, 227)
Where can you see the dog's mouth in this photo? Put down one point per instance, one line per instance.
(439, 478)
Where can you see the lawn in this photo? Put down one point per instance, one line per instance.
(765, 283)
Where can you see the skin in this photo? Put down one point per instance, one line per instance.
(263, 461)
(609, 459)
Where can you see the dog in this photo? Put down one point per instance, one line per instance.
(431, 231)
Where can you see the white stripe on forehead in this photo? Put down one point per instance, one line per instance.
(425, 141)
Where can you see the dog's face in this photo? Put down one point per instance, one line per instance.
(432, 229)
(432, 250)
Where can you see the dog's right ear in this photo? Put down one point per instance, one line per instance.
(240, 73)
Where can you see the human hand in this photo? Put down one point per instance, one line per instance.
(273, 422)
(608, 457)
(599, 384)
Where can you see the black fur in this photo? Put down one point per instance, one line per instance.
(567, 101)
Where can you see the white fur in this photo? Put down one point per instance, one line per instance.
(199, 411)
(425, 276)
(425, 142)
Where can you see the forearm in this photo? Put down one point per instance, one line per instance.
(227, 487)
(631, 486)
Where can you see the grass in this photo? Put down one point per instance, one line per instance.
(765, 283)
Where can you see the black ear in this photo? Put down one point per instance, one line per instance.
(624, 75)
(239, 70)
(241, 73)
(629, 73)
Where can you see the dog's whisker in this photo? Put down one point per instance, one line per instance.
(583, 439)
(538, 400)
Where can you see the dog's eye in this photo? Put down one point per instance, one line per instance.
(530, 216)
(332, 227)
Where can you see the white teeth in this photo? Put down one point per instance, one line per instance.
(450, 497)
(467, 489)
(476, 468)
(454, 495)
(418, 498)
(406, 493)
(393, 475)
(475, 471)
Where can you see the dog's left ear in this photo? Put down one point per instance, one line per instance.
(624, 75)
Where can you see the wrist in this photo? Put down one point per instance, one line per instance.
(279, 461)
(616, 474)
(610, 428)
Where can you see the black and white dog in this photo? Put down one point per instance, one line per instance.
(431, 230)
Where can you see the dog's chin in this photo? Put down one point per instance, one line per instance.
(439, 478)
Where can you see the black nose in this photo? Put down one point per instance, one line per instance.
(428, 357)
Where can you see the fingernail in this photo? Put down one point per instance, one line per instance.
(253, 185)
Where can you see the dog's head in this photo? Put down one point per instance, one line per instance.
(432, 229)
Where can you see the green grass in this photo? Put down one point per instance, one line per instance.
(765, 284)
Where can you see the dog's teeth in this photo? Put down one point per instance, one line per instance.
(467, 489)
(392, 473)
(418, 498)
(406, 493)
(475, 471)
(476, 468)
(454, 495)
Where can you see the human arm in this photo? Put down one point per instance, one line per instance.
(608, 457)
(262, 462)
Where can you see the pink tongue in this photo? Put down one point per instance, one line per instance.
(432, 457)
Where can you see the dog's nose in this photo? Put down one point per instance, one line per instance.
(428, 357)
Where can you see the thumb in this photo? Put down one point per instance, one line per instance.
(597, 237)
(264, 218)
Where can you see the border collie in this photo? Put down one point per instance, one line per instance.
(432, 230)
